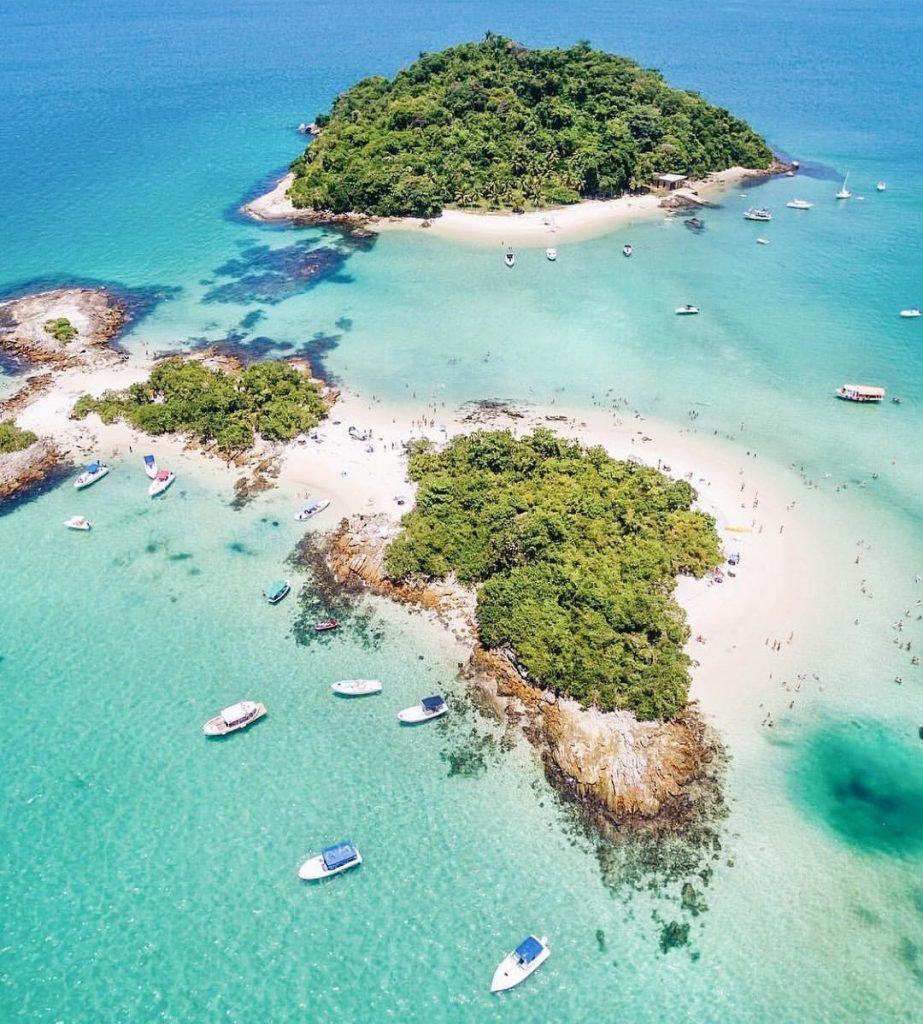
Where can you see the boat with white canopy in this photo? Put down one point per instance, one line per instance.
(860, 393)
(331, 861)
(525, 959)
(236, 716)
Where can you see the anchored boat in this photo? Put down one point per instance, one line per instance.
(150, 466)
(687, 310)
(311, 509)
(78, 523)
(331, 861)
(237, 716)
(525, 959)
(510, 258)
(161, 482)
(95, 471)
(277, 591)
(356, 687)
(757, 213)
(429, 707)
(860, 393)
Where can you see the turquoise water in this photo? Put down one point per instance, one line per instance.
(146, 873)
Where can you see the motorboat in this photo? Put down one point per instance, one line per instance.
(95, 471)
(525, 959)
(150, 466)
(762, 241)
(510, 258)
(910, 314)
(236, 716)
(686, 310)
(860, 393)
(311, 509)
(161, 482)
(325, 626)
(78, 523)
(844, 192)
(356, 687)
(551, 254)
(880, 187)
(694, 224)
(429, 707)
(757, 213)
(277, 591)
(799, 204)
(627, 249)
(331, 861)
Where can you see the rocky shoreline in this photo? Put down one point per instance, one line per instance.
(644, 776)
(22, 472)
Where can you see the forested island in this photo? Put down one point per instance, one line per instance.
(576, 556)
(494, 125)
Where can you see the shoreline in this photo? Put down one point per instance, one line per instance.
(587, 219)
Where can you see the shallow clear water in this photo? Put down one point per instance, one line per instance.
(148, 873)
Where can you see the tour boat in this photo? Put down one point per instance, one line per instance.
(844, 192)
(327, 624)
(356, 687)
(277, 591)
(429, 707)
(627, 249)
(860, 393)
(910, 314)
(150, 466)
(331, 861)
(78, 523)
(757, 213)
(799, 204)
(686, 310)
(161, 482)
(237, 716)
(881, 186)
(311, 509)
(551, 254)
(510, 258)
(525, 959)
(95, 471)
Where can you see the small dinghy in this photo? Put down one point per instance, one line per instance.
(150, 466)
(627, 249)
(510, 258)
(277, 591)
(78, 523)
(237, 716)
(95, 471)
(910, 314)
(340, 857)
(356, 687)
(525, 959)
(551, 254)
(325, 626)
(311, 509)
(687, 310)
(429, 707)
(880, 187)
(161, 482)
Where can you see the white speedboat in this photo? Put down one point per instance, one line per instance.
(237, 716)
(161, 482)
(428, 708)
(78, 523)
(551, 254)
(150, 466)
(356, 687)
(311, 509)
(331, 861)
(910, 314)
(510, 258)
(844, 192)
(762, 241)
(95, 471)
(757, 213)
(686, 310)
(525, 959)
(880, 187)
(799, 204)
(627, 249)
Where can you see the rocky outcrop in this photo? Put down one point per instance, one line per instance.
(276, 207)
(25, 470)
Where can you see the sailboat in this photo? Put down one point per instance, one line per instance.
(844, 192)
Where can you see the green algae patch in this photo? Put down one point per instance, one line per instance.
(865, 783)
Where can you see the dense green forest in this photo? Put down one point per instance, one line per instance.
(271, 399)
(496, 125)
(576, 554)
(13, 438)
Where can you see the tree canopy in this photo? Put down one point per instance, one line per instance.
(271, 399)
(496, 125)
(576, 555)
(13, 438)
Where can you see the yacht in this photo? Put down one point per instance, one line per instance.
(551, 254)
(844, 192)
(150, 466)
(686, 310)
(312, 509)
(799, 204)
(510, 258)
(78, 523)
(860, 393)
(95, 471)
(757, 213)
(525, 959)
(161, 482)
(627, 249)
(331, 861)
(356, 687)
(429, 707)
(236, 716)
(277, 591)
(910, 314)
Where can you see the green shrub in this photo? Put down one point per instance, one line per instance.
(61, 329)
(13, 438)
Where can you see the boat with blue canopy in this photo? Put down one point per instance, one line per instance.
(95, 471)
(429, 707)
(331, 861)
(150, 466)
(515, 967)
